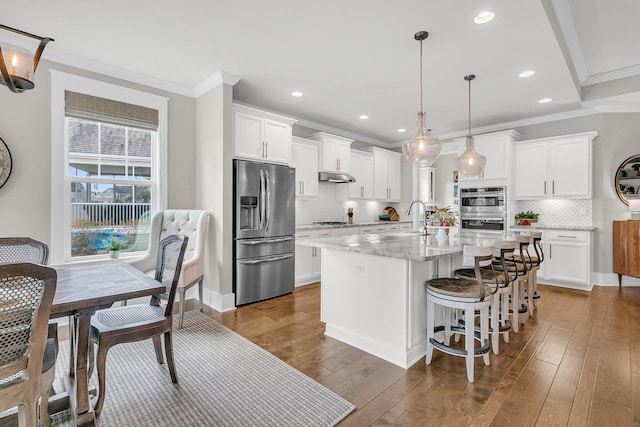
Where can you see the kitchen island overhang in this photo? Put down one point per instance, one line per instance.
(372, 290)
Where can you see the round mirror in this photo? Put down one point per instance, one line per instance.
(5, 163)
(628, 179)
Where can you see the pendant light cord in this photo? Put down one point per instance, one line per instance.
(421, 91)
(469, 107)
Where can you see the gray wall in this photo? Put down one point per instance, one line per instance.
(25, 126)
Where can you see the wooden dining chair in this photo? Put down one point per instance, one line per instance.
(27, 356)
(132, 323)
(23, 249)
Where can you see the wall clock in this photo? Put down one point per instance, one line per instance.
(5, 162)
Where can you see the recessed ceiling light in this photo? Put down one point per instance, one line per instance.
(364, 117)
(527, 73)
(484, 17)
(402, 130)
(296, 93)
(545, 100)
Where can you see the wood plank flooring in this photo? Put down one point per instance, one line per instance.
(575, 363)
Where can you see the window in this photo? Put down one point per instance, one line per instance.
(109, 178)
(110, 185)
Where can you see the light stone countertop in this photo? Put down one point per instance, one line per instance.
(404, 245)
(554, 227)
(306, 227)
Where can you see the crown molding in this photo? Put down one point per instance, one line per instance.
(621, 73)
(116, 72)
(220, 77)
(321, 127)
(570, 34)
(519, 123)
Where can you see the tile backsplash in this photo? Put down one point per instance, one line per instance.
(558, 212)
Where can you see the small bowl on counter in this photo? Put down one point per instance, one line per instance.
(384, 217)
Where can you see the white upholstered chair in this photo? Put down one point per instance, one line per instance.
(186, 222)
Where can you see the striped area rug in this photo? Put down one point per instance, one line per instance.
(223, 380)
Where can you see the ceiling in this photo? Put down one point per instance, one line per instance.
(359, 57)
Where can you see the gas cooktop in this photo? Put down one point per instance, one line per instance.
(329, 223)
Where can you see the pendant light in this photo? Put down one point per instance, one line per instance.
(422, 149)
(470, 163)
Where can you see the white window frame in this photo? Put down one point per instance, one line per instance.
(60, 182)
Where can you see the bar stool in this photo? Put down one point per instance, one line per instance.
(524, 262)
(498, 277)
(467, 295)
(536, 242)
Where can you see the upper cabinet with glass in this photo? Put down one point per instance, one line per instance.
(628, 179)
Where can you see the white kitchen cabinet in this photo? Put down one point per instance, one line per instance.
(530, 170)
(386, 174)
(361, 165)
(497, 148)
(568, 258)
(556, 167)
(305, 161)
(426, 184)
(260, 135)
(335, 152)
(307, 263)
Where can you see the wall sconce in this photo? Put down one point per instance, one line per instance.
(19, 57)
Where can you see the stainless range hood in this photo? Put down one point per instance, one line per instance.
(335, 177)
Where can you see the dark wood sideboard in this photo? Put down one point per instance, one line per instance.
(626, 249)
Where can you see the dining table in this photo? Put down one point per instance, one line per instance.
(80, 292)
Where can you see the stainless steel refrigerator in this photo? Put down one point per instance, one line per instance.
(264, 227)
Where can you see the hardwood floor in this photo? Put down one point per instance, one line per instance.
(575, 363)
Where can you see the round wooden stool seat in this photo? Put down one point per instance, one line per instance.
(459, 288)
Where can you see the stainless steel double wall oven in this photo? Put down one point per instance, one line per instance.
(483, 212)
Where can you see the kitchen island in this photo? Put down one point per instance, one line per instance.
(372, 290)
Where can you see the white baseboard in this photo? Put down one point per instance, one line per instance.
(219, 302)
(611, 279)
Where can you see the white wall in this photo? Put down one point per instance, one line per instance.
(214, 187)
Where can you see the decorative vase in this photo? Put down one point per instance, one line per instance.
(114, 254)
(441, 236)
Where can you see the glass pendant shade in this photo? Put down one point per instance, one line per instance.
(470, 163)
(18, 60)
(422, 150)
(19, 56)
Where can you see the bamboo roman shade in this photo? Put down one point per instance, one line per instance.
(89, 107)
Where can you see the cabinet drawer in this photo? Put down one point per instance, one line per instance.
(373, 229)
(566, 236)
(312, 234)
(406, 226)
(392, 227)
(344, 231)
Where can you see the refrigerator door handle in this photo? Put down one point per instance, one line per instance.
(257, 261)
(262, 211)
(261, 241)
(268, 201)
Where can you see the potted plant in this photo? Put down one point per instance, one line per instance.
(113, 245)
(444, 217)
(526, 218)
